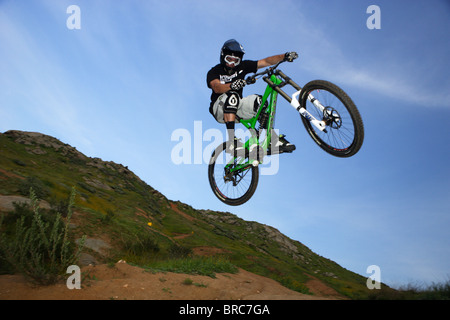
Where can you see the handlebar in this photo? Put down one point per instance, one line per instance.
(277, 87)
(268, 71)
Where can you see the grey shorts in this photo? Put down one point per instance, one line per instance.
(246, 109)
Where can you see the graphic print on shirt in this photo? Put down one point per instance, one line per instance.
(224, 78)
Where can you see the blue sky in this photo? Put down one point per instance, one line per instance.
(120, 86)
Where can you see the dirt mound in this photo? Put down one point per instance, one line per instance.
(126, 282)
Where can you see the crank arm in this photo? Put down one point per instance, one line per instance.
(321, 125)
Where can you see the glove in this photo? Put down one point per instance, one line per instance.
(290, 56)
(237, 84)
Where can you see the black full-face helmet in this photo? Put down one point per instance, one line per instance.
(231, 54)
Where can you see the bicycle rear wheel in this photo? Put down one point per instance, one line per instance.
(344, 134)
(233, 187)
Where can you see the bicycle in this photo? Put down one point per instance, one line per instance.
(327, 112)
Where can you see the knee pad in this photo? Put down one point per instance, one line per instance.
(257, 103)
(232, 102)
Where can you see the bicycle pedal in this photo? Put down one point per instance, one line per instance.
(279, 151)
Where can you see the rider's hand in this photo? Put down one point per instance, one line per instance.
(237, 84)
(290, 56)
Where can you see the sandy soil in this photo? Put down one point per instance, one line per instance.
(126, 282)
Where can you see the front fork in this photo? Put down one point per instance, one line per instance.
(321, 125)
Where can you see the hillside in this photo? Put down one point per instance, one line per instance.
(125, 218)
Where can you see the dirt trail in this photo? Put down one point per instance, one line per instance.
(126, 282)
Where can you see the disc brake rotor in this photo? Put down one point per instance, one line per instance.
(332, 117)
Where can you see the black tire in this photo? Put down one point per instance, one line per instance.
(226, 187)
(345, 128)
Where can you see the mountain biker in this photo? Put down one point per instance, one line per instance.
(226, 80)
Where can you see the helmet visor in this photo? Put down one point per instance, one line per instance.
(232, 60)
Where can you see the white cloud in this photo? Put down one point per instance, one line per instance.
(392, 84)
(391, 78)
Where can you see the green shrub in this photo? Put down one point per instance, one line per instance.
(207, 266)
(143, 246)
(40, 250)
(41, 191)
(176, 251)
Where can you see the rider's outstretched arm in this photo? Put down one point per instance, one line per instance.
(270, 61)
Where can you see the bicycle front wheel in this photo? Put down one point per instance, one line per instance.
(233, 182)
(344, 132)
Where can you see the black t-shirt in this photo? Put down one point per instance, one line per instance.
(219, 72)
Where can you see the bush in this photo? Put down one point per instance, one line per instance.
(41, 250)
(178, 252)
(144, 246)
(40, 189)
(60, 206)
(206, 266)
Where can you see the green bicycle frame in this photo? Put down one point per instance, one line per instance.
(277, 80)
(270, 95)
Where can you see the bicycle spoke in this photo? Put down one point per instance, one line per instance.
(232, 184)
(340, 132)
